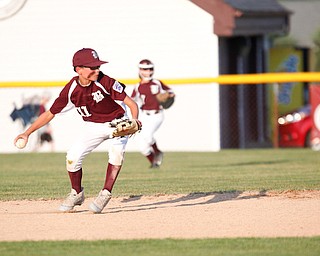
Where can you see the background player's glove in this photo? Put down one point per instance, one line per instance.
(126, 127)
(165, 99)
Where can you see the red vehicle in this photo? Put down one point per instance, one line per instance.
(295, 128)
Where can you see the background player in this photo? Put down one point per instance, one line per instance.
(97, 98)
(151, 115)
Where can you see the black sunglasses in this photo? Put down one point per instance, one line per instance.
(147, 69)
(91, 68)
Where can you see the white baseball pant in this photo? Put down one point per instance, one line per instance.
(150, 124)
(93, 135)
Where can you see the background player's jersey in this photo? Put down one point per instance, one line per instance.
(99, 102)
(145, 94)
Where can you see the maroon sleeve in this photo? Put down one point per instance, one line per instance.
(62, 101)
(115, 88)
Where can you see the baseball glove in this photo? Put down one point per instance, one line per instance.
(165, 99)
(126, 127)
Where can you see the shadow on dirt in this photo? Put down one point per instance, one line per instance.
(193, 199)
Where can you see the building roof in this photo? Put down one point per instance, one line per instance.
(257, 6)
(247, 17)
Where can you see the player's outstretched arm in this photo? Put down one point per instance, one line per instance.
(42, 120)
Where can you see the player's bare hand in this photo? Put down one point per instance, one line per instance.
(21, 140)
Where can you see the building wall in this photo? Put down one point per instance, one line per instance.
(37, 44)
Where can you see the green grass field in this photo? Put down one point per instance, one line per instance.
(43, 176)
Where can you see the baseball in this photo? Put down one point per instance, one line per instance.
(21, 143)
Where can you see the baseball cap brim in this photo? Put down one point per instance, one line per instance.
(95, 63)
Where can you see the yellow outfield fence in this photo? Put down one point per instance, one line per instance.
(262, 78)
(253, 78)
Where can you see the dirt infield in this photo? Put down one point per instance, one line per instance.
(247, 214)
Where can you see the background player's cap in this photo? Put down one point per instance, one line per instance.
(145, 63)
(87, 57)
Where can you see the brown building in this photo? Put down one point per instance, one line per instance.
(244, 28)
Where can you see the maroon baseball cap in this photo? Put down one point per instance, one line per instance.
(87, 57)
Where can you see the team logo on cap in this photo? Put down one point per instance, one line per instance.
(95, 54)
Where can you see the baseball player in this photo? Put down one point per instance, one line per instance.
(145, 94)
(99, 100)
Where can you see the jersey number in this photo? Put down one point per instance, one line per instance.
(83, 111)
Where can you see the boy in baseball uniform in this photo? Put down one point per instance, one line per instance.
(99, 100)
(152, 113)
